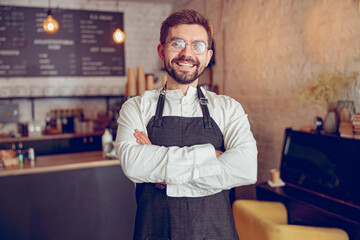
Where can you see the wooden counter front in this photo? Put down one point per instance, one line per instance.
(60, 162)
(67, 196)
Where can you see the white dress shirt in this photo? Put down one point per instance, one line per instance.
(188, 171)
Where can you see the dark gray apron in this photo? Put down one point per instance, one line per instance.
(160, 217)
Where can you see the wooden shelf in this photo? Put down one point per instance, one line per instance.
(33, 98)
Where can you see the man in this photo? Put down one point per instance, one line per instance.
(185, 147)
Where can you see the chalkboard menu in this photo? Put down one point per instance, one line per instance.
(83, 46)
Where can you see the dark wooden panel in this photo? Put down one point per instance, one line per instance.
(92, 203)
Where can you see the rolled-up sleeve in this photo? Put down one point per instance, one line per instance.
(239, 162)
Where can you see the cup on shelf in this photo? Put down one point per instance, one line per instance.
(149, 82)
(275, 176)
(141, 82)
(131, 82)
(34, 128)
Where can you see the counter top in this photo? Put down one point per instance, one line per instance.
(60, 162)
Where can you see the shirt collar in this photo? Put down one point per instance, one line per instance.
(177, 93)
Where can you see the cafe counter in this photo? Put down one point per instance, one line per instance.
(67, 196)
(59, 162)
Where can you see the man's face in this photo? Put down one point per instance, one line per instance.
(184, 66)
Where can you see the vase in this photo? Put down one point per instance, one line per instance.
(331, 122)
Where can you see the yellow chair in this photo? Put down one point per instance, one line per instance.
(261, 220)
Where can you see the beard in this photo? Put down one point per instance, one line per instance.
(183, 77)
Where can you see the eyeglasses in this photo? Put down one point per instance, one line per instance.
(178, 44)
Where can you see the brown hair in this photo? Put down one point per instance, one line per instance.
(185, 16)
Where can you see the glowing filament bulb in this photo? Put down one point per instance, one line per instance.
(118, 36)
(50, 25)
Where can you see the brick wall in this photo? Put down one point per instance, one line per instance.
(142, 22)
(265, 50)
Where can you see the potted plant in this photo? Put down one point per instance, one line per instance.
(324, 90)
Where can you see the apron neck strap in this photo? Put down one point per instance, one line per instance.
(159, 109)
(203, 103)
(204, 108)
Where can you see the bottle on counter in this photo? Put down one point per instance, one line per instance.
(64, 121)
(70, 119)
(59, 123)
(47, 122)
(52, 119)
(31, 156)
(106, 141)
(20, 153)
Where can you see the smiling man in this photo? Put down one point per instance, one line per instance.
(179, 63)
(185, 147)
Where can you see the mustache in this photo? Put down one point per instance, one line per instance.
(189, 60)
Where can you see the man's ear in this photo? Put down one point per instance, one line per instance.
(209, 55)
(161, 52)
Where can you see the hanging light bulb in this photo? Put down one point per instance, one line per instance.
(50, 25)
(118, 36)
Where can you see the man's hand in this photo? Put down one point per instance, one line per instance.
(141, 138)
(218, 153)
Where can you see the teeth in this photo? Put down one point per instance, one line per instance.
(185, 64)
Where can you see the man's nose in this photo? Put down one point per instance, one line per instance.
(186, 51)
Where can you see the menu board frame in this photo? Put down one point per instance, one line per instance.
(83, 46)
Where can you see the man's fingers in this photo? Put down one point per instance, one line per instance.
(138, 136)
(141, 137)
(218, 153)
(145, 138)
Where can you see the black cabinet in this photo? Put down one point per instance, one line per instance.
(82, 144)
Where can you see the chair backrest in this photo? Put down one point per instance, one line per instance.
(262, 220)
(257, 220)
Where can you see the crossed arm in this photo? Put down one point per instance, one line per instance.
(142, 139)
(198, 170)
